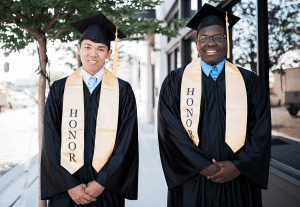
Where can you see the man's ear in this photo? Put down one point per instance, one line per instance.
(78, 48)
(109, 53)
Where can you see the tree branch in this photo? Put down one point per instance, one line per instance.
(71, 11)
(55, 4)
(53, 20)
(32, 30)
(61, 30)
(63, 15)
(20, 16)
(56, 17)
(5, 20)
(21, 26)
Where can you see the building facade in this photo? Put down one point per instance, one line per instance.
(166, 54)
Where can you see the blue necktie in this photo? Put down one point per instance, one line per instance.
(214, 73)
(92, 84)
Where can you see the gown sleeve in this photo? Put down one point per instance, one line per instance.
(54, 178)
(254, 158)
(181, 158)
(120, 173)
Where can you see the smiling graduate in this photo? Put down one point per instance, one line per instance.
(214, 124)
(90, 143)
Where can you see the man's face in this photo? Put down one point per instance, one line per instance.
(212, 53)
(93, 55)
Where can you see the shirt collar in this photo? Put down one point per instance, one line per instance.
(207, 68)
(86, 76)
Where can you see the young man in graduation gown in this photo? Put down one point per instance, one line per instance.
(90, 145)
(214, 124)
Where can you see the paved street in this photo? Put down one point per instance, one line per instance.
(19, 186)
(283, 122)
(18, 136)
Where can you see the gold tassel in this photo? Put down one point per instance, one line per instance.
(227, 31)
(115, 65)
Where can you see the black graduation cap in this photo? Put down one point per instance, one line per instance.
(209, 15)
(97, 28)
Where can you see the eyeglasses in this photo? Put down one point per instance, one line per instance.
(205, 39)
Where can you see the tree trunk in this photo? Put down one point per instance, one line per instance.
(41, 105)
(79, 64)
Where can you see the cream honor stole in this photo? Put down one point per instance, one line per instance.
(236, 103)
(72, 129)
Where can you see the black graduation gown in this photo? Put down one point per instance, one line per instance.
(182, 160)
(119, 175)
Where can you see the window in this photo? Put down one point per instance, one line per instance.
(190, 7)
(194, 52)
(174, 60)
(169, 63)
(194, 7)
(172, 24)
(189, 48)
(177, 61)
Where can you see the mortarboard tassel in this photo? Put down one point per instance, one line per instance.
(227, 31)
(115, 65)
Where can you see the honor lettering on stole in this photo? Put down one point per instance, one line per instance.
(72, 124)
(190, 98)
(189, 111)
(72, 135)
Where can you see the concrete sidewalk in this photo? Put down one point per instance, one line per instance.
(153, 189)
(19, 186)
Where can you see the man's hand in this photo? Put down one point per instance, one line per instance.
(210, 170)
(79, 196)
(227, 173)
(94, 189)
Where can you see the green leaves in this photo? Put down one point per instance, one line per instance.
(24, 20)
(284, 20)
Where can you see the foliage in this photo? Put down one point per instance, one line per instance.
(244, 35)
(284, 27)
(22, 21)
(283, 30)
